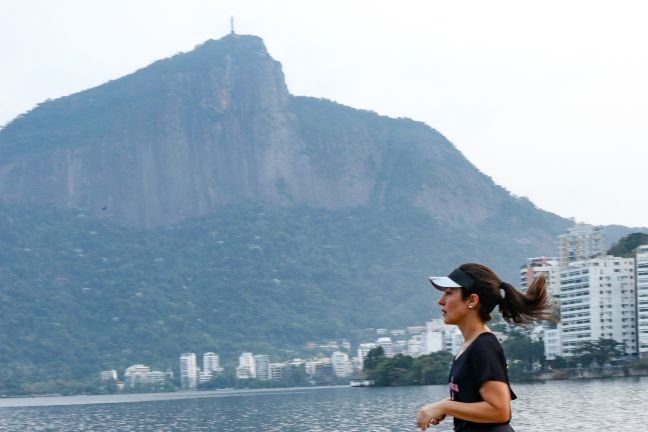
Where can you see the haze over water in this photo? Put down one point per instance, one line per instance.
(555, 406)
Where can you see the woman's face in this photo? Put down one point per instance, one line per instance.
(453, 307)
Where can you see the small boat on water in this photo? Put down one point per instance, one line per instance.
(361, 383)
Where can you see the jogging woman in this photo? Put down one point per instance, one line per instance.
(480, 394)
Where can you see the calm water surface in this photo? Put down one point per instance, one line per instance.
(604, 405)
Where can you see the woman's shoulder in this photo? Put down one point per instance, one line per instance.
(487, 339)
(486, 347)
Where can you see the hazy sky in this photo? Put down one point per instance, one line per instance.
(549, 98)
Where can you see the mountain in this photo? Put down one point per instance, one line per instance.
(197, 205)
(626, 246)
(189, 134)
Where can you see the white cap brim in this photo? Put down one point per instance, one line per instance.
(442, 282)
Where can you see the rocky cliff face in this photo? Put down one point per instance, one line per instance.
(217, 125)
(171, 141)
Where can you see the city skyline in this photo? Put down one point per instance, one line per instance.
(599, 297)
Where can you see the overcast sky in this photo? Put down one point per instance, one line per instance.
(549, 98)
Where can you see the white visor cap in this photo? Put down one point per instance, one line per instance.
(442, 282)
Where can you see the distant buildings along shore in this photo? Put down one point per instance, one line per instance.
(598, 297)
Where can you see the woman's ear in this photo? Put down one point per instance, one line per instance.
(474, 299)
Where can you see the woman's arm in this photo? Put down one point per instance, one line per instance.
(495, 408)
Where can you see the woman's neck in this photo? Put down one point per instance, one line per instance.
(472, 328)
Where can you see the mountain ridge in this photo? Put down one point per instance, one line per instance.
(197, 205)
(185, 135)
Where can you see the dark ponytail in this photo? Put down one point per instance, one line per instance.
(535, 304)
(515, 306)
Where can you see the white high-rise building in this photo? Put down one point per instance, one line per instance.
(246, 367)
(542, 266)
(598, 301)
(552, 342)
(323, 369)
(400, 347)
(262, 366)
(211, 363)
(415, 345)
(581, 242)
(204, 377)
(243, 372)
(341, 364)
(188, 371)
(277, 371)
(363, 351)
(136, 374)
(108, 375)
(550, 269)
(156, 377)
(434, 336)
(319, 367)
(641, 275)
(415, 330)
(453, 339)
(387, 345)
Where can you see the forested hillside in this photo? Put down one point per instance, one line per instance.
(196, 205)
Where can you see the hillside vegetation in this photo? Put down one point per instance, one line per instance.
(627, 244)
(196, 205)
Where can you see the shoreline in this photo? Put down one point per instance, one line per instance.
(589, 373)
(115, 398)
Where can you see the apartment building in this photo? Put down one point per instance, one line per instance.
(598, 301)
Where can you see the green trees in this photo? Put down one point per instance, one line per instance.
(79, 295)
(523, 356)
(519, 347)
(373, 358)
(601, 351)
(405, 370)
(626, 246)
(433, 368)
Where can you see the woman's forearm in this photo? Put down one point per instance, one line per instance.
(477, 412)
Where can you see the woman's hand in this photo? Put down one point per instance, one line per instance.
(431, 414)
(438, 420)
(494, 408)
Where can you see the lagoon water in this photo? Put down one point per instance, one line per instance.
(601, 405)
